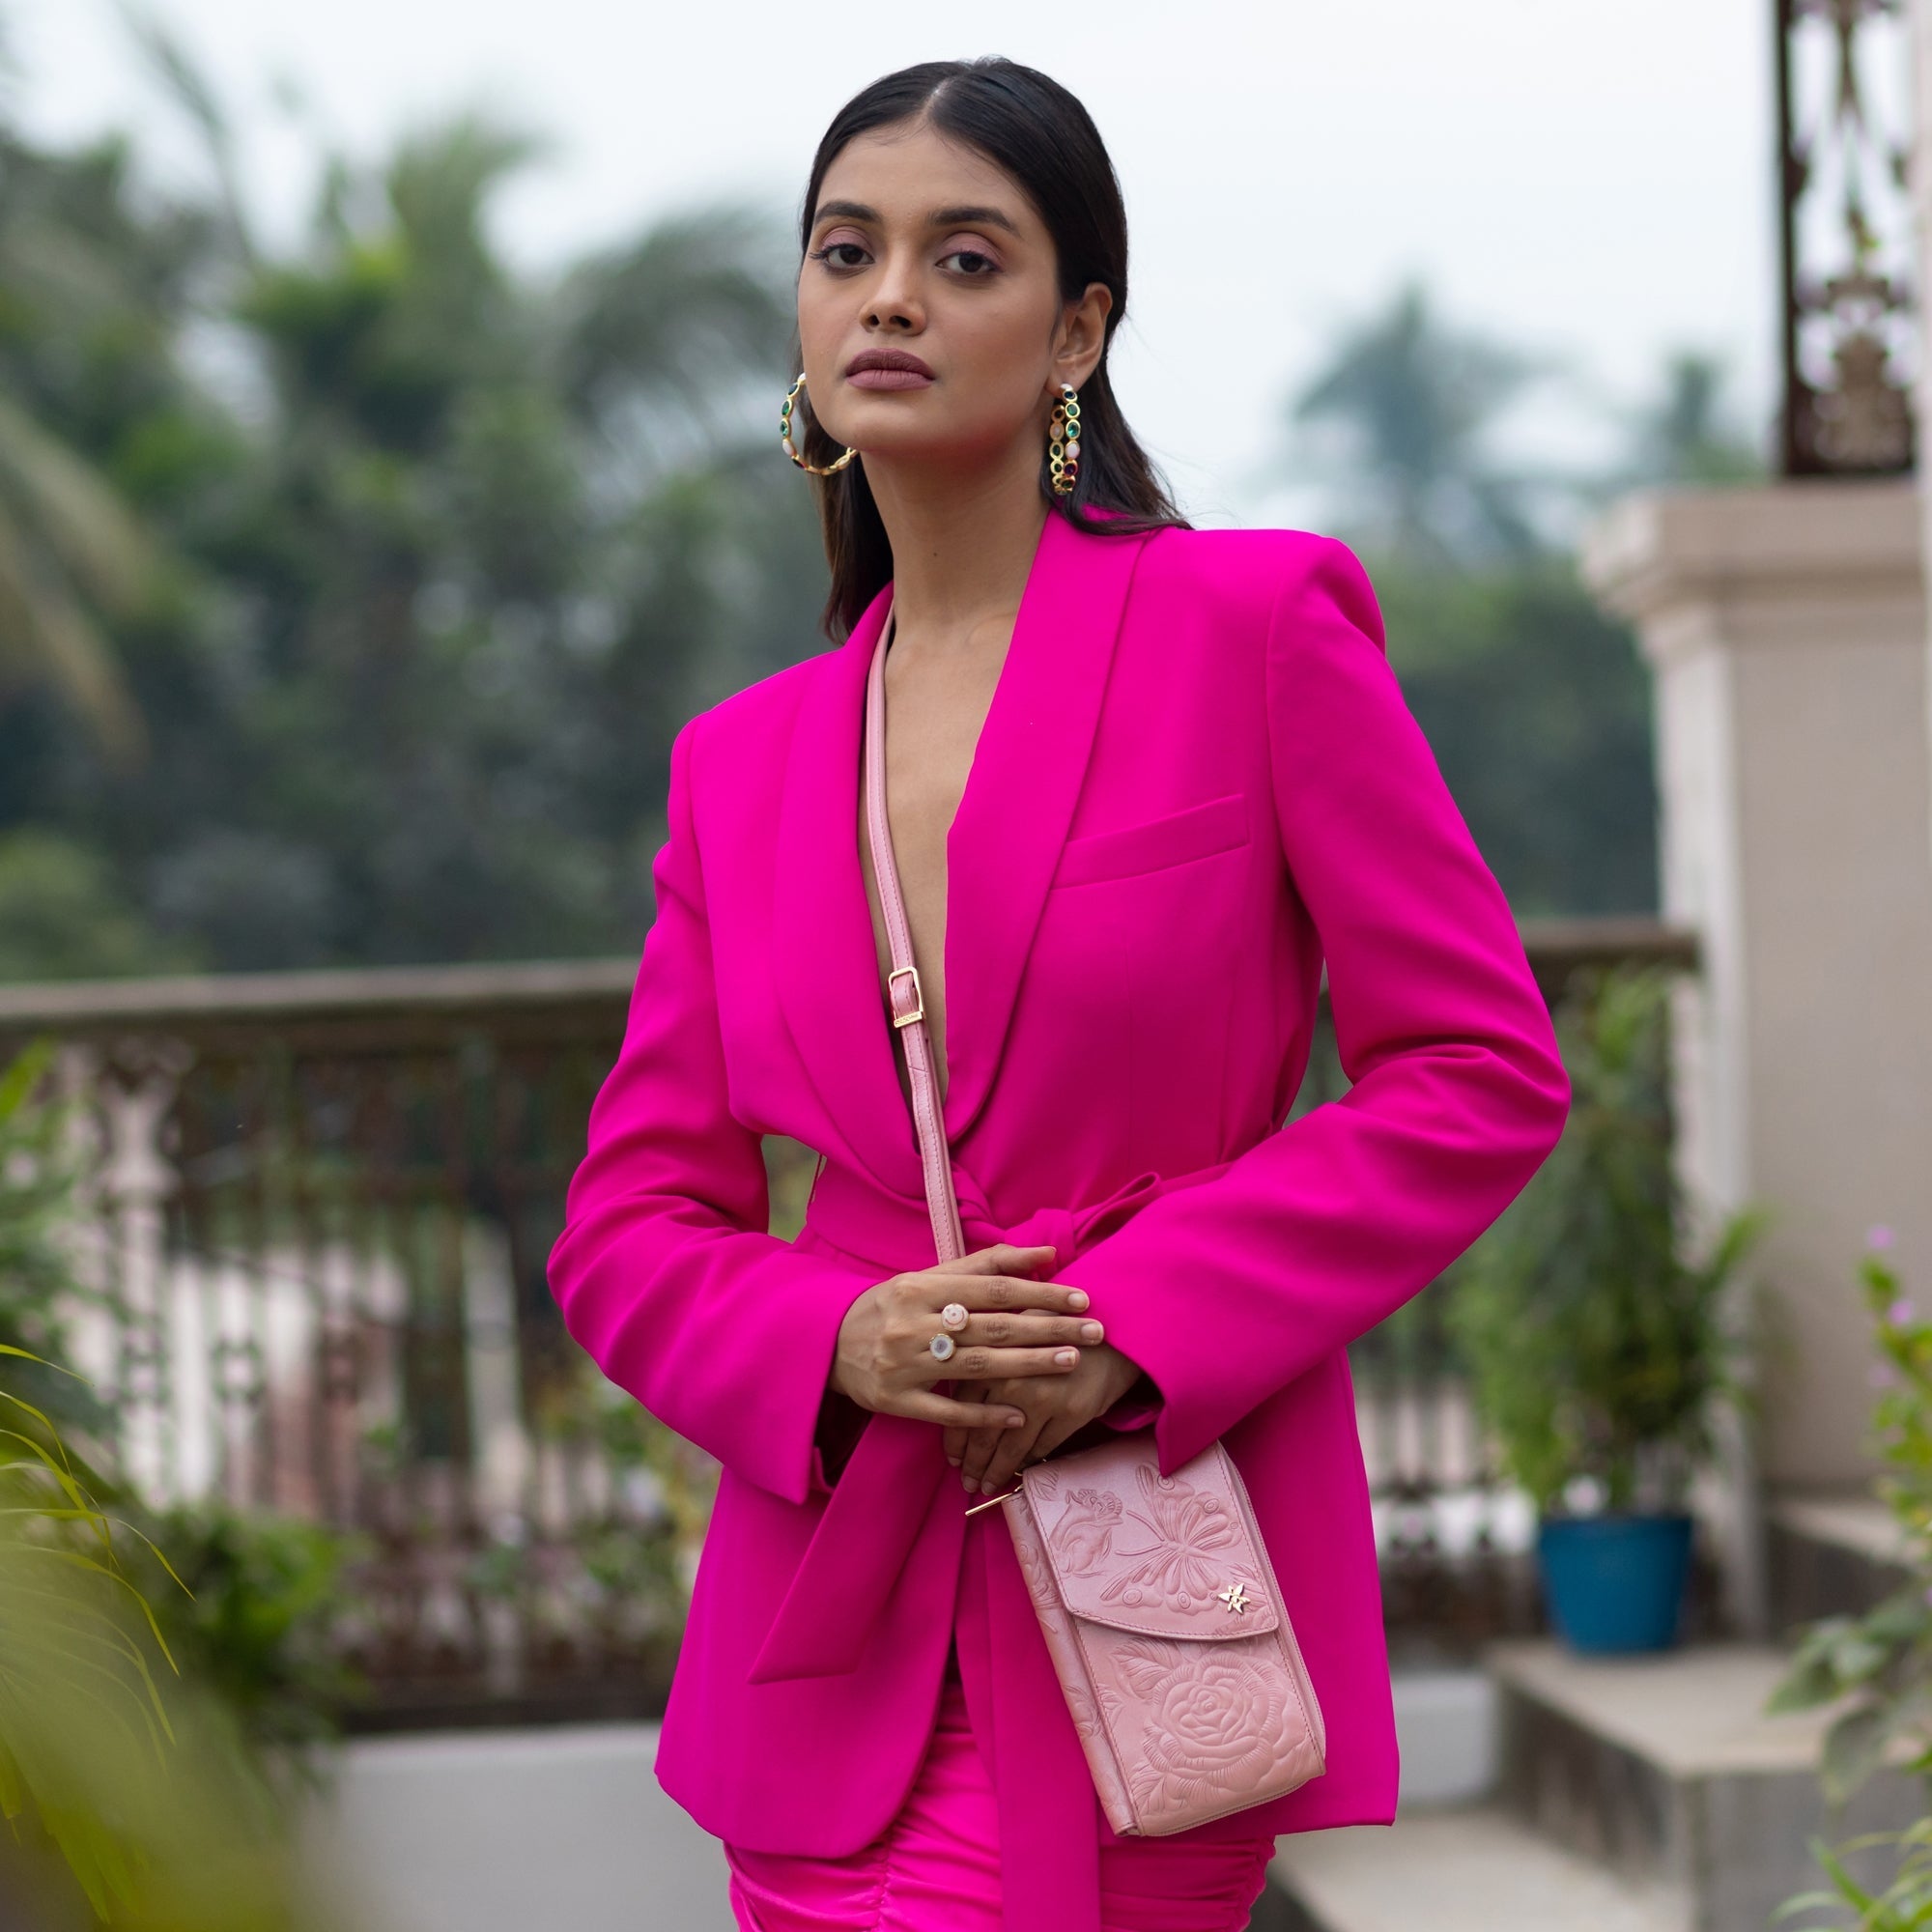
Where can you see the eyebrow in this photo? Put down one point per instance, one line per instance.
(965, 215)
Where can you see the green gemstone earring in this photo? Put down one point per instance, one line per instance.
(1063, 444)
(792, 450)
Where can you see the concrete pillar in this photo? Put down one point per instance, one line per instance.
(1785, 626)
(1919, 179)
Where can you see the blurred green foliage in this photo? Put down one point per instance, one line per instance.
(42, 1164)
(1903, 1903)
(134, 1793)
(66, 914)
(1539, 711)
(1536, 702)
(352, 589)
(351, 594)
(267, 1592)
(151, 1661)
(1876, 1665)
(1600, 1344)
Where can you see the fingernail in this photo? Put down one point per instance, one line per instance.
(953, 1460)
(967, 1483)
(1090, 1332)
(1078, 1298)
(1014, 1421)
(1066, 1357)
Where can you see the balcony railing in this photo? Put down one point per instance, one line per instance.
(317, 1235)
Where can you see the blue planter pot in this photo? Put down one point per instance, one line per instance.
(1615, 1583)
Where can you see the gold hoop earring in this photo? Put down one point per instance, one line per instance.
(790, 449)
(1063, 445)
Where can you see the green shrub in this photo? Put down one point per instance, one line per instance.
(1600, 1349)
(1879, 1662)
(134, 1700)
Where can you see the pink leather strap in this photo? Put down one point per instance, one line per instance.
(907, 1004)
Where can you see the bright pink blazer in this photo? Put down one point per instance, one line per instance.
(1198, 780)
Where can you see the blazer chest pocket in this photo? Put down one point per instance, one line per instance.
(1196, 831)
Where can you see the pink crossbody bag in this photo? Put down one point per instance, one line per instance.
(1154, 1593)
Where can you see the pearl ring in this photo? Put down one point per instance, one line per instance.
(955, 1319)
(953, 1315)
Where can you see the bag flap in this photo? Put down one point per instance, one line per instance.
(1166, 1555)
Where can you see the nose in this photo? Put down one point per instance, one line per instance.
(896, 302)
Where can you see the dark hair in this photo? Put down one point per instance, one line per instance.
(1040, 133)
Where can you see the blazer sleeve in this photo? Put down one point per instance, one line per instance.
(1138, 1408)
(666, 1272)
(1228, 1290)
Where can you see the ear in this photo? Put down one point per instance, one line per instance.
(1081, 337)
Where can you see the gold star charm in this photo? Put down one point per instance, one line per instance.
(1234, 1596)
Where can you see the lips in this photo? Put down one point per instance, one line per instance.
(889, 379)
(887, 369)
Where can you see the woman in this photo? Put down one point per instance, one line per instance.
(1142, 781)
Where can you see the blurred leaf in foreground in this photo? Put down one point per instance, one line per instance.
(129, 1800)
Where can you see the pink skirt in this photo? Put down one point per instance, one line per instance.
(936, 1868)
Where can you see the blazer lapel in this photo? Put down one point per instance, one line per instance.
(828, 972)
(1005, 842)
(1002, 849)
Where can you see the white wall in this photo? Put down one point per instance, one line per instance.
(511, 1830)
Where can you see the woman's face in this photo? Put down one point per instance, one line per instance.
(923, 246)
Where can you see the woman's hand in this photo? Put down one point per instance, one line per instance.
(1016, 1330)
(1054, 1410)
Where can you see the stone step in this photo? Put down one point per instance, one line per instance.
(1445, 1724)
(1453, 1870)
(1829, 1554)
(1665, 1770)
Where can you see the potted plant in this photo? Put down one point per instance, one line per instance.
(1601, 1347)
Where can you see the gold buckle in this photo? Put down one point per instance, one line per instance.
(918, 1013)
(991, 1500)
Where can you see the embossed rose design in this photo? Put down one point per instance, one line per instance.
(1220, 1723)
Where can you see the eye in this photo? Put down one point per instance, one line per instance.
(983, 263)
(838, 249)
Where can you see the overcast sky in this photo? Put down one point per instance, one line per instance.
(1590, 178)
